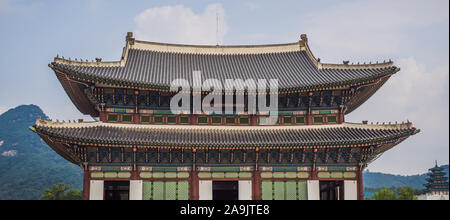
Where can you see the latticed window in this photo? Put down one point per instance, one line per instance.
(202, 120)
(284, 190)
(287, 120)
(318, 119)
(158, 119)
(145, 119)
(127, 118)
(184, 120)
(300, 120)
(112, 117)
(217, 120)
(244, 120)
(230, 121)
(169, 190)
(171, 120)
(332, 119)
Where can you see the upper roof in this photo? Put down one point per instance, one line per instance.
(156, 65)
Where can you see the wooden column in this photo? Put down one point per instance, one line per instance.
(309, 120)
(103, 116)
(256, 180)
(256, 185)
(194, 180)
(253, 120)
(136, 118)
(86, 184)
(341, 116)
(360, 184)
(134, 172)
(314, 168)
(194, 185)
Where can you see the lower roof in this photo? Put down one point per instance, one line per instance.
(130, 135)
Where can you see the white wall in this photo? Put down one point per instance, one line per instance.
(350, 190)
(205, 190)
(96, 190)
(313, 189)
(434, 196)
(136, 189)
(245, 190)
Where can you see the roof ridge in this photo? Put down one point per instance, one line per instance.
(216, 50)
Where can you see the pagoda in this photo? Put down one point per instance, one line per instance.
(437, 185)
(139, 149)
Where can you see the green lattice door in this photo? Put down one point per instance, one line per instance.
(170, 190)
(284, 190)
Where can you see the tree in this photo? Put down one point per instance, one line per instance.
(406, 193)
(61, 191)
(384, 194)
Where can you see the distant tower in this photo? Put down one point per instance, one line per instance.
(437, 186)
(436, 180)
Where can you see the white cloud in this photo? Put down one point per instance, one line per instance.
(178, 24)
(1, 143)
(420, 94)
(11, 153)
(375, 27)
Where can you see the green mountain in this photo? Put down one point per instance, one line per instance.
(27, 164)
(382, 180)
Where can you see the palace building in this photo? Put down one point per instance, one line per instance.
(139, 149)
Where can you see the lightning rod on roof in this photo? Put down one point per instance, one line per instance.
(217, 28)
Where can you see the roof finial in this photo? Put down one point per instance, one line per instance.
(304, 38)
(130, 38)
(436, 163)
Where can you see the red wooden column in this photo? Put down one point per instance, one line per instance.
(256, 185)
(86, 184)
(194, 180)
(360, 184)
(313, 175)
(136, 115)
(309, 120)
(253, 120)
(194, 185)
(341, 116)
(134, 172)
(136, 118)
(103, 116)
(256, 180)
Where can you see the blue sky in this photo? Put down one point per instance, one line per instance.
(414, 33)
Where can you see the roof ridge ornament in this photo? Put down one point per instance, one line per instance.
(129, 38)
